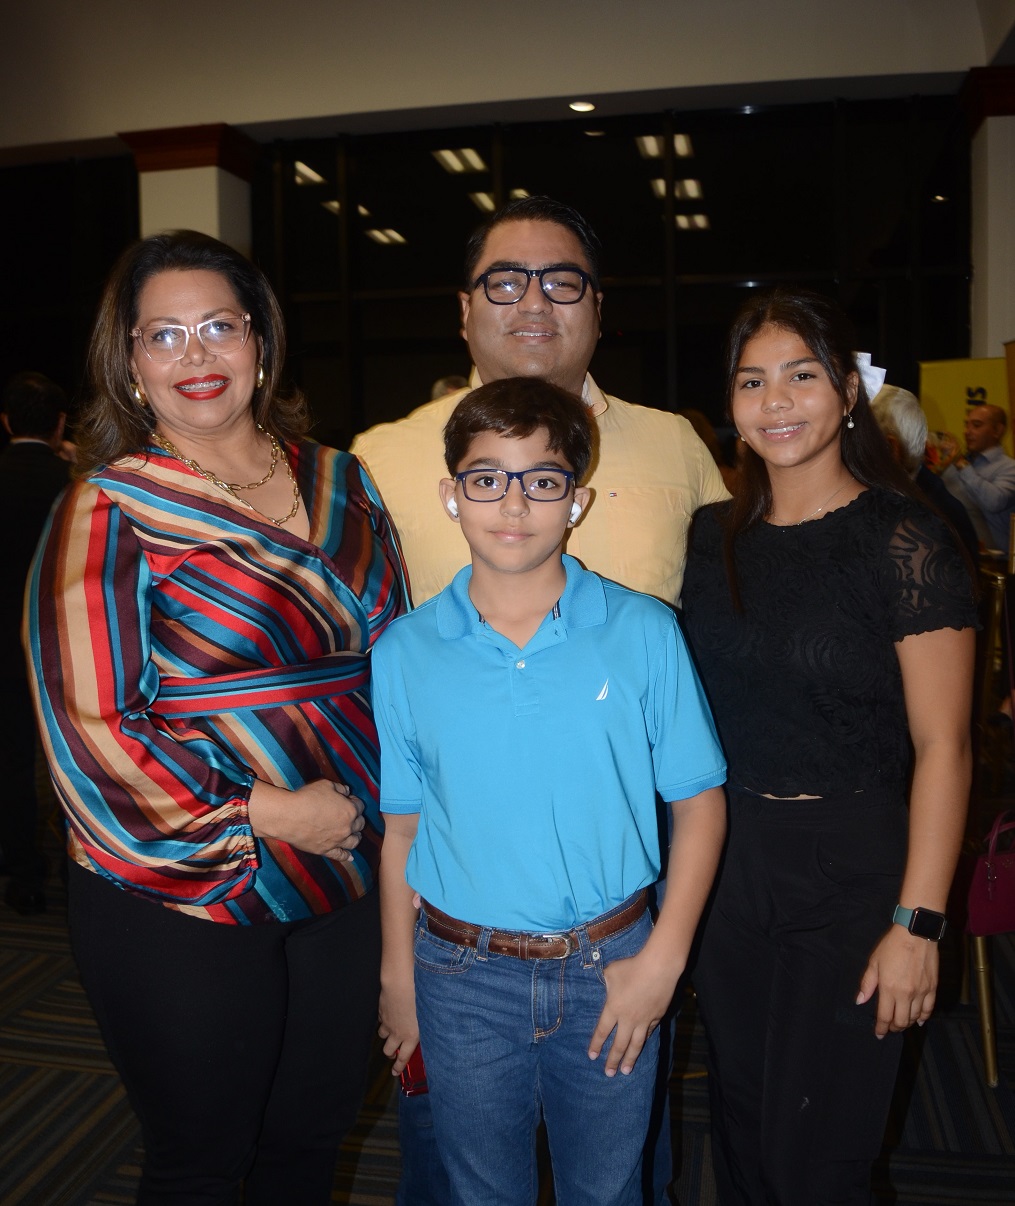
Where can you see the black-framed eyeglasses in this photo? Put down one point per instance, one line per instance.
(538, 485)
(168, 341)
(505, 286)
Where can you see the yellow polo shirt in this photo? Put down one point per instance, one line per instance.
(651, 475)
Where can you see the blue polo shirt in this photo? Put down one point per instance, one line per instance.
(535, 770)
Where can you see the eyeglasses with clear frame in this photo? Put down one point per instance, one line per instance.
(505, 286)
(538, 485)
(164, 341)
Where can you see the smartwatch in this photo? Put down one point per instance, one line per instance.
(924, 923)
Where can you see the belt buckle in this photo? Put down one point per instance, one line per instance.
(570, 946)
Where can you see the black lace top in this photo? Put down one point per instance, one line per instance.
(804, 682)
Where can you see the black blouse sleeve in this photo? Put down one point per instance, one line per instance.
(925, 579)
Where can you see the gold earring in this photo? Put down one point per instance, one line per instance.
(260, 376)
(138, 393)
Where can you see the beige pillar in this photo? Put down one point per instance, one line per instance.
(989, 99)
(197, 178)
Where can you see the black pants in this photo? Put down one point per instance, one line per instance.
(243, 1048)
(800, 1087)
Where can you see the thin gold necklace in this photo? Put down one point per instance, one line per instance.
(230, 488)
(797, 522)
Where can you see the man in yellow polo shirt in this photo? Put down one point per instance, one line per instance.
(652, 472)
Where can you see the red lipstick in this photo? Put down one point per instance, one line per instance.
(203, 388)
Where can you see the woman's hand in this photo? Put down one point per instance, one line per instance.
(903, 970)
(320, 817)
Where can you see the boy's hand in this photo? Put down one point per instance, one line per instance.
(638, 993)
(398, 1025)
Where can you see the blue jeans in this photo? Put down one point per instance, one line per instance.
(506, 1038)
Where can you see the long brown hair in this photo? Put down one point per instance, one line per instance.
(829, 335)
(113, 424)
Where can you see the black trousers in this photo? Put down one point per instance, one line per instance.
(243, 1049)
(800, 1087)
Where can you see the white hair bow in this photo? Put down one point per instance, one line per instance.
(872, 377)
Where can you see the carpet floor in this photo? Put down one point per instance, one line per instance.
(69, 1138)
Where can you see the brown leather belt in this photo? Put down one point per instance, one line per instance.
(526, 945)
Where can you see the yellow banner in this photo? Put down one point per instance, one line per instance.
(949, 388)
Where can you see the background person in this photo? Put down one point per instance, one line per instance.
(200, 617)
(447, 385)
(832, 618)
(984, 480)
(34, 410)
(904, 425)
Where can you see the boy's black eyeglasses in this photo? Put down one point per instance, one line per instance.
(505, 286)
(538, 485)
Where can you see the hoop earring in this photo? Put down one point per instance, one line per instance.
(138, 394)
(849, 421)
(260, 376)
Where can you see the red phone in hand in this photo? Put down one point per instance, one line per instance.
(413, 1076)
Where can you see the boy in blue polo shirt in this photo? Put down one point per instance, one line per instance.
(528, 716)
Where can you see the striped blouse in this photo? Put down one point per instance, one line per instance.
(181, 648)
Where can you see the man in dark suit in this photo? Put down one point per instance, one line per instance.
(32, 474)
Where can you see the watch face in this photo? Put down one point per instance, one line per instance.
(927, 924)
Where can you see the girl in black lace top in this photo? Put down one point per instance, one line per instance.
(832, 618)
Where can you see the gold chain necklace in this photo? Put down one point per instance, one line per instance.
(271, 468)
(230, 488)
(796, 523)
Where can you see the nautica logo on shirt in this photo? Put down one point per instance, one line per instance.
(604, 692)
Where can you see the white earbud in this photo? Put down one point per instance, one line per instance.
(575, 513)
(452, 507)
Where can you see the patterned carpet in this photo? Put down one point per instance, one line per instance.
(68, 1137)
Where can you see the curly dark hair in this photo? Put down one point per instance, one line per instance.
(112, 423)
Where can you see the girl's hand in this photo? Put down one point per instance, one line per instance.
(903, 971)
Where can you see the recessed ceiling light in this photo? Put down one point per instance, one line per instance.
(483, 202)
(683, 190)
(385, 237)
(593, 133)
(363, 211)
(939, 197)
(651, 146)
(582, 106)
(332, 206)
(465, 159)
(519, 194)
(692, 222)
(305, 174)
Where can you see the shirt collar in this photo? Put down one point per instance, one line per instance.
(592, 395)
(992, 454)
(582, 605)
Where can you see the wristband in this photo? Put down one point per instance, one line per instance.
(924, 923)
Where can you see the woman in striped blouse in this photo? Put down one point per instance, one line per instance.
(200, 617)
